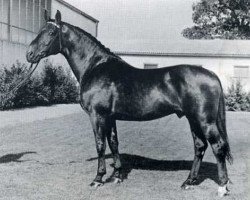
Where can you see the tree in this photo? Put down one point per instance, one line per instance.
(224, 19)
(236, 98)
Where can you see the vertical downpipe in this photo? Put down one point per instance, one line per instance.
(96, 30)
(1, 33)
(33, 16)
(10, 32)
(26, 22)
(39, 14)
(19, 31)
(8, 21)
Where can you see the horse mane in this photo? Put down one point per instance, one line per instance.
(92, 38)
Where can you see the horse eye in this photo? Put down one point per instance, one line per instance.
(51, 32)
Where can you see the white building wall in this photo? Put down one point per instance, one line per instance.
(13, 46)
(223, 67)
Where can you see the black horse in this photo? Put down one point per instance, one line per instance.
(111, 89)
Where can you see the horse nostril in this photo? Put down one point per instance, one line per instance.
(30, 54)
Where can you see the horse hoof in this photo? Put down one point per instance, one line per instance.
(117, 180)
(223, 191)
(188, 184)
(96, 184)
(114, 180)
(187, 187)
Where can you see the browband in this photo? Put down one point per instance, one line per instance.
(55, 24)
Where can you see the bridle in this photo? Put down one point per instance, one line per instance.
(59, 34)
(31, 69)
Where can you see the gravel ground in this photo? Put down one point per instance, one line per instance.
(21, 116)
(48, 153)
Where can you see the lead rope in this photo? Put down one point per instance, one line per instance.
(20, 83)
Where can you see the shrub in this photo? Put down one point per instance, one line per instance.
(236, 98)
(60, 86)
(26, 95)
(52, 85)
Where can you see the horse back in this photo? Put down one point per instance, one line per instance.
(128, 93)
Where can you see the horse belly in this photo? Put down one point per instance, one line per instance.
(138, 115)
(143, 108)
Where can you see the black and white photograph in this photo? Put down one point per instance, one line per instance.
(124, 99)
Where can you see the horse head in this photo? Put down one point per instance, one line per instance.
(48, 40)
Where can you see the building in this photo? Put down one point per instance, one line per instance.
(20, 21)
(229, 59)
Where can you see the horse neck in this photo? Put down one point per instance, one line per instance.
(81, 51)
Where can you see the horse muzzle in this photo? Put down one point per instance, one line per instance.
(34, 58)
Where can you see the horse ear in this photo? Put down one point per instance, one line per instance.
(58, 17)
(46, 15)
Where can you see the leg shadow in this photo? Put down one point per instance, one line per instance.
(14, 157)
(129, 162)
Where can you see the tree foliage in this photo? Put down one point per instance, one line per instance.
(236, 98)
(224, 19)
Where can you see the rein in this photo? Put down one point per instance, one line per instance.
(31, 68)
(21, 82)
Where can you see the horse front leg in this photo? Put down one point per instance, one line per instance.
(100, 128)
(112, 138)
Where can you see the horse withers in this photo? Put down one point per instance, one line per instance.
(111, 89)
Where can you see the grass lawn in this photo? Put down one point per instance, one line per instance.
(54, 158)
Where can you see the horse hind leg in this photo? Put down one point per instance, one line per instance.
(200, 146)
(112, 138)
(220, 150)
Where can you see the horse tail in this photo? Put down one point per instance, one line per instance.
(221, 124)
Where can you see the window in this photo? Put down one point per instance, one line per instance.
(14, 13)
(22, 14)
(30, 15)
(150, 66)
(241, 72)
(20, 20)
(36, 16)
(5, 9)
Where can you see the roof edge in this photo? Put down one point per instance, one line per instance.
(77, 10)
(124, 53)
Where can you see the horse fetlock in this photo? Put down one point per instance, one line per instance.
(117, 173)
(189, 184)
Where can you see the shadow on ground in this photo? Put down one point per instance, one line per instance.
(129, 162)
(14, 157)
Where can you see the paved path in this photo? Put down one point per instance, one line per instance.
(54, 157)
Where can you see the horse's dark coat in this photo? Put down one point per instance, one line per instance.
(113, 90)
